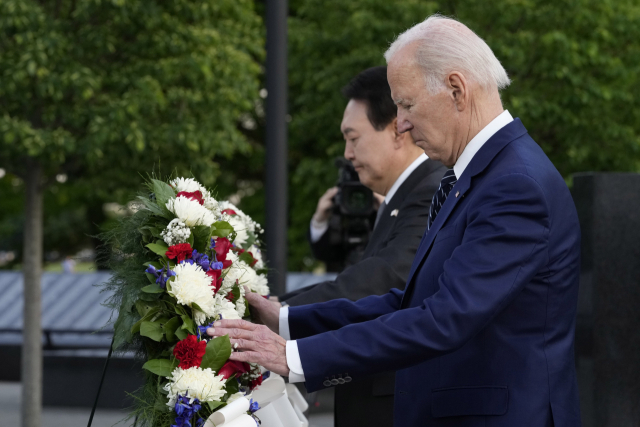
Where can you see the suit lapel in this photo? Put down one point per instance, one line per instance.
(386, 220)
(478, 163)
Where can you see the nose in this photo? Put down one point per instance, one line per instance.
(348, 152)
(403, 124)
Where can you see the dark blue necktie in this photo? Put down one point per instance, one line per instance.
(446, 184)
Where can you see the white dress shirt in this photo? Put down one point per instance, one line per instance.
(293, 355)
(317, 229)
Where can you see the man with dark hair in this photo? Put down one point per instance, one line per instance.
(390, 164)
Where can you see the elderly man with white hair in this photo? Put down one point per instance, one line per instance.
(483, 333)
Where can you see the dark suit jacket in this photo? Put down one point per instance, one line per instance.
(387, 258)
(385, 265)
(483, 334)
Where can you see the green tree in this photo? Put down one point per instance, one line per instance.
(103, 91)
(574, 66)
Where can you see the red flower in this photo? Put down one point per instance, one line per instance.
(255, 383)
(230, 296)
(232, 367)
(180, 251)
(194, 195)
(229, 211)
(189, 352)
(216, 280)
(222, 249)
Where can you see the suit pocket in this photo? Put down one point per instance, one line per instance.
(461, 401)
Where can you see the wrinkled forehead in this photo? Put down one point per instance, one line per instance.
(403, 73)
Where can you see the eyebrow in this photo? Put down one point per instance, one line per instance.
(399, 101)
(347, 130)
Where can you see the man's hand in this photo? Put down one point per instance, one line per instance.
(323, 210)
(255, 343)
(265, 311)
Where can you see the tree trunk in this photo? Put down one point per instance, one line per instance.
(31, 373)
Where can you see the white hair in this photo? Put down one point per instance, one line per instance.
(445, 45)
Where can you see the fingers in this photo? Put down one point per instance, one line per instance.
(234, 333)
(244, 344)
(235, 323)
(253, 298)
(246, 356)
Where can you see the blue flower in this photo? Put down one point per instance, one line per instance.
(254, 406)
(213, 243)
(202, 330)
(217, 265)
(201, 259)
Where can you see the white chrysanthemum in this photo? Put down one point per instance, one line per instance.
(241, 306)
(187, 184)
(192, 285)
(190, 212)
(225, 308)
(247, 276)
(196, 383)
(242, 223)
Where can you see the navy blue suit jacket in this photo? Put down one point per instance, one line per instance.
(483, 333)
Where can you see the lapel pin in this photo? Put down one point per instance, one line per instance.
(394, 212)
(457, 193)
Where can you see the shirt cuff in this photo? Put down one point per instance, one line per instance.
(318, 229)
(283, 323)
(296, 374)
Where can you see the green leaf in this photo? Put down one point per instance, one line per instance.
(222, 229)
(246, 257)
(163, 191)
(201, 237)
(214, 405)
(160, 367)
(151, 330)
(181, 334)
(217, 353)
(158, 248)
(170, 327)
(152, 206)
(152, 289)
(187, 324)
(151, 278)
(231, 386)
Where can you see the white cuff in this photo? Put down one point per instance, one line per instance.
(318, 229)
(296, 374)
(283, 323)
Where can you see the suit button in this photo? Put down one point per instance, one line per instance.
(335, 381)
(326, 383)
(347, 379)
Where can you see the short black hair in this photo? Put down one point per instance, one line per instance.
(372, 88)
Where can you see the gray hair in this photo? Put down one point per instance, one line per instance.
(446, 45)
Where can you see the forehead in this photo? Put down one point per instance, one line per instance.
(355, 117)
(403, 73)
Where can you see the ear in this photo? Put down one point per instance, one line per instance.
(458, 88)
(399, 139)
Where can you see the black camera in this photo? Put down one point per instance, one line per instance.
(353, 214)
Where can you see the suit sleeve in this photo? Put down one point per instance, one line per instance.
(503, 246)
(387, 269)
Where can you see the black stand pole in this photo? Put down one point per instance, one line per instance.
(104, 371)
(276, 145)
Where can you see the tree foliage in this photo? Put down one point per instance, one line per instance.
(104, 92)
(111, 88)
(574, 66)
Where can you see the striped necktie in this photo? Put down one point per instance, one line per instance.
(446, 184)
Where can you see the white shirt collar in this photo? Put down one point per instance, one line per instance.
(403, 176)
(478, 141)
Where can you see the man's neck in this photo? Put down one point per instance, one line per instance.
(408, 160)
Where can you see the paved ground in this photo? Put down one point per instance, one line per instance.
(71, 417)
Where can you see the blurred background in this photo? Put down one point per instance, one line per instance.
(95, 95)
